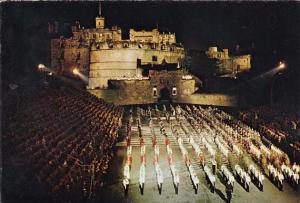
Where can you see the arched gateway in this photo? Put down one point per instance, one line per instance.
(164, 95)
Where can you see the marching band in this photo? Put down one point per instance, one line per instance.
(215, 132)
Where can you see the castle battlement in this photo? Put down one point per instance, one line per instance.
(229, 64)
(126, 44)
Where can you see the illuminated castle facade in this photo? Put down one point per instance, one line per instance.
(229, 64)
(101, 54)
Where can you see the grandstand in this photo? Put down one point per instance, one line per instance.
(64, 136)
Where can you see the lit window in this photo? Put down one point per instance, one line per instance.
(154, 91)
(125, 45)
(174, 91)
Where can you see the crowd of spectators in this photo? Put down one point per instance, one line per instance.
(65, 136)
(279, 123)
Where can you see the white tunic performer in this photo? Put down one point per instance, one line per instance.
(129, 150)
(127, 171)
(142, 176)
(159, 176)
(194, 177)
(210, 177)
(175, 175)
(156, 149)
(125, 184)
(261, 178)
(169, 150)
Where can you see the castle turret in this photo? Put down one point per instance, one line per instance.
(99, 22)
(100, 19)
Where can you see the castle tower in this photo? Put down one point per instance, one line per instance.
(100, 19)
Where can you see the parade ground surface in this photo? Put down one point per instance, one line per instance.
(114, 190)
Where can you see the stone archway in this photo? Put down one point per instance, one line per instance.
(164, 94)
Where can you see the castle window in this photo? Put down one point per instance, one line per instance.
(174, 91)
(154, 92)
(125, 45)
(154, 58)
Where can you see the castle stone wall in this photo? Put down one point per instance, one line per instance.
(111, 63)
(229, 64)
(101, 54)
(65, 59)
(151, 36)
(145, 97)
(209, 99)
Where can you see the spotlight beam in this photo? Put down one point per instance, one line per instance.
(80, 75)
(42, 67)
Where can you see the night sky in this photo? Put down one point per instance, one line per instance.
(267, 30)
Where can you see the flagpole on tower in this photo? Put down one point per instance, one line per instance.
(99, 19)
(100, 9)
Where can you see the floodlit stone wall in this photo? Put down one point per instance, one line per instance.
(101, 53)
(150, 90)
(151, 36)
(123, 62)
(66, 58)
(242, 62)
(209, 99)
(145, 97)
(228, 63)
(214, 53)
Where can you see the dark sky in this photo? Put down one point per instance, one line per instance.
(273, 28)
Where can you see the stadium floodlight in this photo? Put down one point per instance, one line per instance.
(44, 68)
(281, 65)
(75, 71)
(80, 75)
(41, 66)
